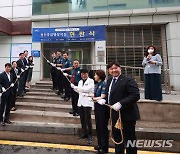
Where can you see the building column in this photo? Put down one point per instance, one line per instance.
(173, 42)
(37, 70)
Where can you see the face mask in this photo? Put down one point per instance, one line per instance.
(150, 51)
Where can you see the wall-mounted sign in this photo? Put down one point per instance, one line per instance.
(69, 34)
(35, 53)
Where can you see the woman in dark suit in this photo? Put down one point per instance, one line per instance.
(122, 94)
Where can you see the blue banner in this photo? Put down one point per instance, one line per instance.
(69, 34)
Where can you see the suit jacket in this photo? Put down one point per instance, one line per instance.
(20, 65)
(4, 82)
(14, 76)
(127, 93)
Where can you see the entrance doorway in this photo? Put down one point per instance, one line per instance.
(76, 50)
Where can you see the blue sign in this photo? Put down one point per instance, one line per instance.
(35, 53)
(69, 34)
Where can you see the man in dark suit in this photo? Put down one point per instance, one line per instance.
(14, 72)
(21, 68)
(122, 94)
(6, 81)
(26, 63)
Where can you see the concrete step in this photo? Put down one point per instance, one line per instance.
(41, 86)
(43, 107)
(38, 93)
(43, 99)
(74, 129)
(45, 116)
(37, 89)
(44, 83)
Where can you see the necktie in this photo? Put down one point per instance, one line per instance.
(112, 88)
(74, 76)
(113, 84)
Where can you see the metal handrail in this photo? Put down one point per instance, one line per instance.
(137, 73)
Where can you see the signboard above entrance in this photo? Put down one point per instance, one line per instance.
(69, 34)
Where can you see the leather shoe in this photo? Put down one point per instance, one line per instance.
(96, 148)
(89, 139)
(71, 112)
(66, 98)
(75, 114)
(83, 136)
(7, 122)
(2, 123)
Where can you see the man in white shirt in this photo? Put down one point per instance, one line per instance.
(85, 88)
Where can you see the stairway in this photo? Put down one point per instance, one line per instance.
(43, 116)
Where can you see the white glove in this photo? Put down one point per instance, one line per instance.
(48, 61)
(22, 70)
(27, 67)
(63, 69)
(3, 89)
(12, 85)
(116, 106)
(101, 101)
(72, 85)
(85, 94)
(53, 65)
(59, 68)
(65, 74)
(18, 76)
(31, 66)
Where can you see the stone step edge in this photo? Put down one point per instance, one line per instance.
(71, 129)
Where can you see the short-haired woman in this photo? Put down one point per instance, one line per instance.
(101, 112)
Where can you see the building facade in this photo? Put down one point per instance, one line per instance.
(131, 26)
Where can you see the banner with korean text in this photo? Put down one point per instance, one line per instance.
(69, 34)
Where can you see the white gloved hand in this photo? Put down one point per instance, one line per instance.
(31, 66)
(85, 94)
(53, 65)
(48, 61)
(22, 70)
(101, 101)
(12, 85)
(116, 106)
(65, 74)
(72, 85)
(3, 89)
(63, 69)
(18, 76)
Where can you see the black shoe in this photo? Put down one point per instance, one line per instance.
(75, 114)
(2, 123)
(100, 151)
(66, 98)
(58, 92)
(20, 95)
(89, 139)
(71, 112)
(83, 136)
(97, 148)
(13, 109)
(7, 121)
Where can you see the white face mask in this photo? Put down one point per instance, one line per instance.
(150, 51)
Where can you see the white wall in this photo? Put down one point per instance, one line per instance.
(173, 47)
(16, 10)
